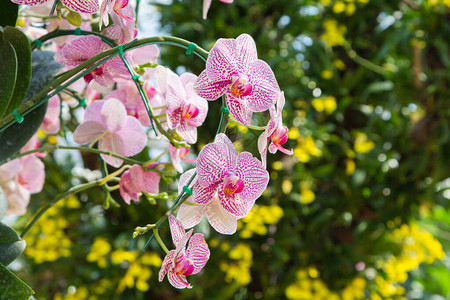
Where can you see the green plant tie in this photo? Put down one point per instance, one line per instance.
(191, 47)
(17, 116)
(121, 51)
(38, 43)
(135, 77)
(82, 103)
(187, 190)
(224, 110)
(78, 31)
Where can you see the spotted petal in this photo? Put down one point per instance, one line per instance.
(265, 87)
(209, 89)
(233, 205)
(176, 229)
(222, 64)
(255, 177)
(29, 2)
(212, 164)
(83, 6)
(166, 264)
(245, 51)
(198, 252)
(239, 109)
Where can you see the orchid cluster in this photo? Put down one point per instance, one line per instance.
(129, 106)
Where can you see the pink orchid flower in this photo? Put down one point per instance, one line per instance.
(207, 4)
(275, 132)
(82, 6)
(185, 109)
(113, 5)
(50, 124)
(20, 178)
(227, 186)
(124, 29)
(83, 48)
(182, 262)
(233, 68)
(107, 121)
(136, 180)
(177, 155)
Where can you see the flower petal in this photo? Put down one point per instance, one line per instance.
(198, 252)
(32, 173)
(212, 164)
(80, 50)
(255, 177)
(178, 281)
(29, 2)
(220, 219)
(222, 64)
(83, 6)
(88, 131)
(133, 137)
(208, 89)
(203, 195)
(187, 132)
(113, 114)
(245, 51)
(190, 215)
(238, 109)
(265, 87)
(263, 140)
(233, 205)
(166, 264)
(176, 229)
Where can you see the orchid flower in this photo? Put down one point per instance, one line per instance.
(50, 124)
(136, 180)
(275, 132)
(112, 5)
(207, 4)
(185, 109)
(182, 262)
(82, 6)
(233, 68)
(83, 48)
(178, 154)
(107, 121)
(124, 29)
(226, 188)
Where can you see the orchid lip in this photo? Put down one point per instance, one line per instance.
(241, 87)
(233, 185)
(190, 111)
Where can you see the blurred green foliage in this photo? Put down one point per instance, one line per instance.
(367, 105)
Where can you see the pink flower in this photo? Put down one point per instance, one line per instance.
(20, 178)
(124, 29)
(275, 132)
(136, 180)
(83, 6)
(207, 4)
(117, 132)
(83, 48)
(185, 109)
(112, 5)
(232, 68)
(177, 155)
(227, 186)
(182, 262)
(51, 119)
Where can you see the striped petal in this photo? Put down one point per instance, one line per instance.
(220, 219)
(239, 109)
(83, 6)
(177, 281)
(198, 252)
(190, 215)
(245, 51)
(233, 205)
(166, 264)
(212, 164)
(265, 87)
(222, 64)
(208, 89)
(255, 177)
(176, 229)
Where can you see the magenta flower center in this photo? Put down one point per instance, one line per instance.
(96, 72)
(233, 185)
(184, 266)
(280, 136)
(241, 87)
(190, 111)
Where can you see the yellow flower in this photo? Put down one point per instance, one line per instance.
(362, 144)
(307, 196)
(325, 104)
(286, 186)
(293, 133)
(334, 33)
(326, 74)
(350, 166)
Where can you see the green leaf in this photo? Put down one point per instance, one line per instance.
(44, 69)
(8, 70)
(11, 287)
(11, 245)
(8, 13)
(23, 76)
(3, 204)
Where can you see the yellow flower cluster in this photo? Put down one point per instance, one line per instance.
(308, 286)
(238, 269)
(325, 104)
(138, 271)
(418, 246)
(333, 33)
(339, 6)
(47, 241)
(362, 143)
(306, 147)
(256, 220)
(439, 2)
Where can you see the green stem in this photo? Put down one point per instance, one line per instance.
(72, 190)
(91, 64)
(154, 159)
(362, 61)
(160, 242)
(64, 32)
(56, 147)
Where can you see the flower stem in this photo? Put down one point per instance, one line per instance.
(160, 242)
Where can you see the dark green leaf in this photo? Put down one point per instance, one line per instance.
(11, 287)
(23, 76)
(8, 13)
(11, 245)
(8, 70)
